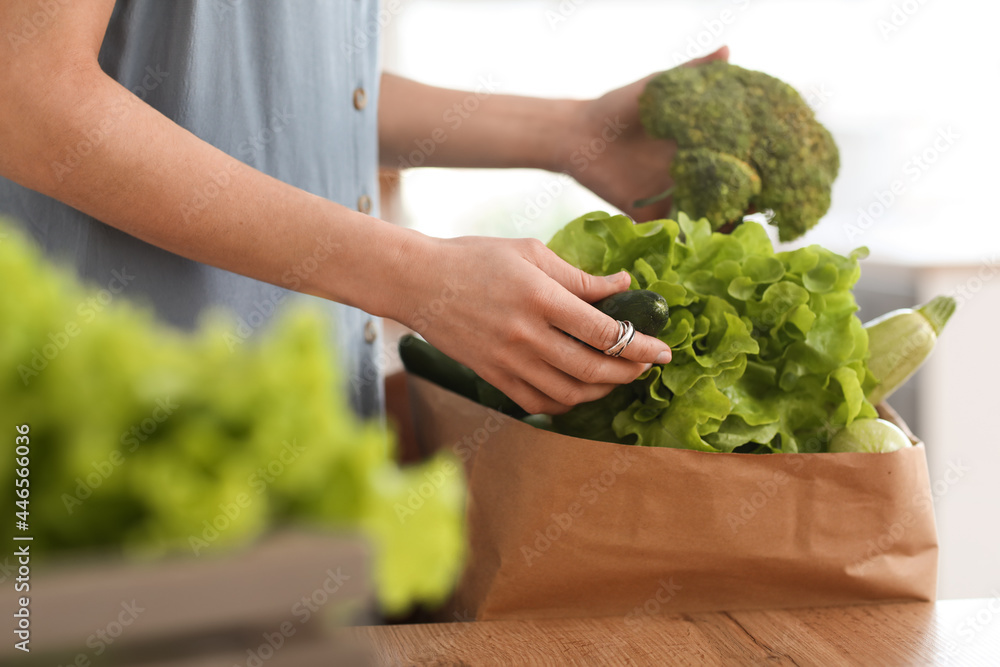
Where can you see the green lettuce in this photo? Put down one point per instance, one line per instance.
(768, 353)
(148, 441)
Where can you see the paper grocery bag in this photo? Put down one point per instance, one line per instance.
(562, 526)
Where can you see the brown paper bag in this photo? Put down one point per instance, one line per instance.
(561, 526)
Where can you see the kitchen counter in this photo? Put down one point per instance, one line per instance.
(951, 632)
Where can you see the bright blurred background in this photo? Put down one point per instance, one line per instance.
(907, 87)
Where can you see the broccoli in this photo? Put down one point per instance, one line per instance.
(746, 141)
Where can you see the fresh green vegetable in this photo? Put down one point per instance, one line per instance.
(900, 341)
(424, 360)
(745, 141)
(149, 441)
(873, 436)
(768, 354)
(645, 309)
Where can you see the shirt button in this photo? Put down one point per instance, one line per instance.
(360, 98)
(365, 204)
(371, 331)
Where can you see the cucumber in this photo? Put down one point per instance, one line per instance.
(900, 341)
(645, 309)
(424, 360)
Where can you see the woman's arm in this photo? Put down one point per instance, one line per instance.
(145, 171)
(599, 142)
(421, 125)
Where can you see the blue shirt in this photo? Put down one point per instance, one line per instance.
(287, 87)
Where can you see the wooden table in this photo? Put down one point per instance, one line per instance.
(952, 632)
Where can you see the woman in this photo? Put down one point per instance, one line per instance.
(224, 152)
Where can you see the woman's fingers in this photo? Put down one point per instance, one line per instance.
(569, 310)
(601, 332)
(721, 53)
(584, 285)
(528, 397)
(542, 388)
(587, 364)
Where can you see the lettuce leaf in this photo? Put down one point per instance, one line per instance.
(768, 353)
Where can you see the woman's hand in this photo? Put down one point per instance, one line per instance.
(504, 308)
(612, 155)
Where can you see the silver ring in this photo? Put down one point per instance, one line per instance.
(621, 332)
(626, 332)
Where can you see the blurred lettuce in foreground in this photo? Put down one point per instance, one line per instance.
(768, 354)
(151, 441)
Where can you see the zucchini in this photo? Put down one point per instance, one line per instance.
(645, 309)
(424, 360)
(900, 341)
